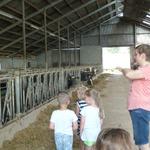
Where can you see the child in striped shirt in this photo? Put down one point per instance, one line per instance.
(81, 103)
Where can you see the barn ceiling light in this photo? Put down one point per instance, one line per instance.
(148, 23)
(148, 16)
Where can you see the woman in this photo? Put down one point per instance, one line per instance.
(139, 96)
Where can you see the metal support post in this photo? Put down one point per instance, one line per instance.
(59, 44)
(80, 49)
(134, 34)
(45, 33)
(18, 94)
(12, 62)
(100, 43)
(24, 34)
(68, 37)
(116, 7)
(75, 55)
(100, 34)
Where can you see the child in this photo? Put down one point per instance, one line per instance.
(63, 121)
(81, 103)
(114, 139)
(90, 119)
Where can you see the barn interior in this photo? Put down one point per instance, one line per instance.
(48, 45)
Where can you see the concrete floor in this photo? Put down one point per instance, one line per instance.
(114, 98)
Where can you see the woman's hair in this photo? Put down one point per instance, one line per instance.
(114, 139)
(144, 48)
(96, 96)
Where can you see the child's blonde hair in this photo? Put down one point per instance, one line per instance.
(96, 96)
(81, 92)
(63, 98)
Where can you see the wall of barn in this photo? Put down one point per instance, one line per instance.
(110, 35)
(120, 34)
(69, 57)
(13, 63)
(116, 34)
(142, 35)
(91, 55)
(41, 59)
(90, 50)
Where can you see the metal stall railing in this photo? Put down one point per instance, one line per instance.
(22, 92)
(7, 99)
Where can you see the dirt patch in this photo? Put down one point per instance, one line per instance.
(37, 136)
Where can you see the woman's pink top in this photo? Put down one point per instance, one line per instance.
(139, 95)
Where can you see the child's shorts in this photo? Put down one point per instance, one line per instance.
(140, 120)
(89, 143)
(63, 141)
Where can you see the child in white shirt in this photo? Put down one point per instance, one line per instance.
(63, 121)
(90, 119)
